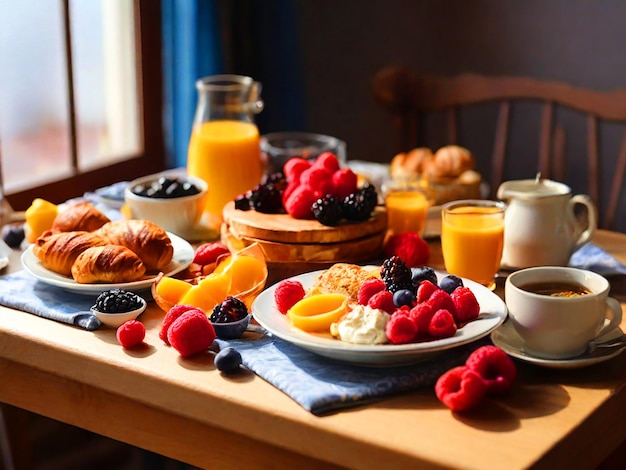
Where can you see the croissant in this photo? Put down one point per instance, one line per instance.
(149, 241)
(58, 251)
(109, 263)
(81, 216)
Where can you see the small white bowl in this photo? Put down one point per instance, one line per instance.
(114, 320)
(179, 215)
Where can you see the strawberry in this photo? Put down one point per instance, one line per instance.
(497, 369)
(466, 305)
(208, 253)
(131, 333)
(460, 388)
(410, 247)
(299, 203)
(368, 289)
(287, 294)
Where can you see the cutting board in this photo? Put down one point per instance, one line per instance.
(283, 228)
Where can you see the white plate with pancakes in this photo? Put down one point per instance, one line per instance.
(493, 312)
(182, 258)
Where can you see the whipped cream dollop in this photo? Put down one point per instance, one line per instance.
(362, 325)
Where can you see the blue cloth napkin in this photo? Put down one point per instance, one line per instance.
(22, 291)
(593, 258)
(321, 385)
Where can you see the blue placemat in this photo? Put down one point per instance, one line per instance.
(593, 258)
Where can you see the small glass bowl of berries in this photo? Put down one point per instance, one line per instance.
(114, 307)
(230, 318)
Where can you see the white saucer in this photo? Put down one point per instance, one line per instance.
(506, 338)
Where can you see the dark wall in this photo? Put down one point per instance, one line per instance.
(316, 59)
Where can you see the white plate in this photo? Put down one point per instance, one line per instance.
(492, 313)
(183, 256)
(507, 339)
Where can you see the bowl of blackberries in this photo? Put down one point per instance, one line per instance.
(172, 200)
(230, 318)
(114, 307)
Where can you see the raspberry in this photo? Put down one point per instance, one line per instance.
(299, 203)
(328, 161)
(440, 299)
(465, 304)
(191, 333)
(171, 315)
(324, 188)
(287, 293)
(344, 182)
(494, 366)
(290, 188)
(131, 333)
(209, 252)
(422, 314)
(294, 167)
(368, 289)
(460, 388)
(315, 178)
(425, 290)
(400, 329)
(410, 247)
(382, 300)
(442, 325)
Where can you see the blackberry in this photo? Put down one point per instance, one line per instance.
(117, 301)
(327, 210)
(166, 188)
(396, 274)
(242, 202)
(278, 180)
(230, 310)
(266, 198)
(360, 204)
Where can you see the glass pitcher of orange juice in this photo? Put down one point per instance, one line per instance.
(224, 148)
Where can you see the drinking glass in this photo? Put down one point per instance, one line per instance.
(407, 202)
(472, 238)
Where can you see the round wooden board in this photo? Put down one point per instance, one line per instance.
(276, 252)
(283, 228)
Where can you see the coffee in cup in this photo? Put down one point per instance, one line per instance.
(558, 310)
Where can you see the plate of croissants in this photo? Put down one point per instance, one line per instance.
(88, 259)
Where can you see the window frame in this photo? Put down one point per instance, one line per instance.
(153, 159)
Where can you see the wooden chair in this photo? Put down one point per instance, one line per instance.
(415, 100)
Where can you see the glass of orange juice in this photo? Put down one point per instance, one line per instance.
(407, 202)
(224, 148)
(472, 238)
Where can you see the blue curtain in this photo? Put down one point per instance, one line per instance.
(191, 49)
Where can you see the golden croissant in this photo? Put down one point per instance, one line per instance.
(109, 263)
(58, 251)
(149, 241)
(82, 216)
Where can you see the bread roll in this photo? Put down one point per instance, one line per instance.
(149, 241)
(82, 216)
(448, 163)
(109, 263)
(58, 251)
(410, 163)
(341, 278)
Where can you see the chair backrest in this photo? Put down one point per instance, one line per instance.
(411, 98)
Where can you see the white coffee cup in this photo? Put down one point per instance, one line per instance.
(558, 327)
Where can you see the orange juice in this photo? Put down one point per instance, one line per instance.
(406, 211)
(472, 238)
(226, 154)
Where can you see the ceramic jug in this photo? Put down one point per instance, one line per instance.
(540, 224)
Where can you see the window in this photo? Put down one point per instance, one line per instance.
(80, 95)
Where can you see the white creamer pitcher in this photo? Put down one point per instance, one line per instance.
(540, 225)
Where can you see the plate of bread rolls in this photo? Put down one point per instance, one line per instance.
(90, 257)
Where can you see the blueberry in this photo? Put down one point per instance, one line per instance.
(227, 360)
(13, 234)
(423, 273)
(404, 297)
(450, 282)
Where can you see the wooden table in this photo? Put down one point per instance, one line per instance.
(187, 410)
